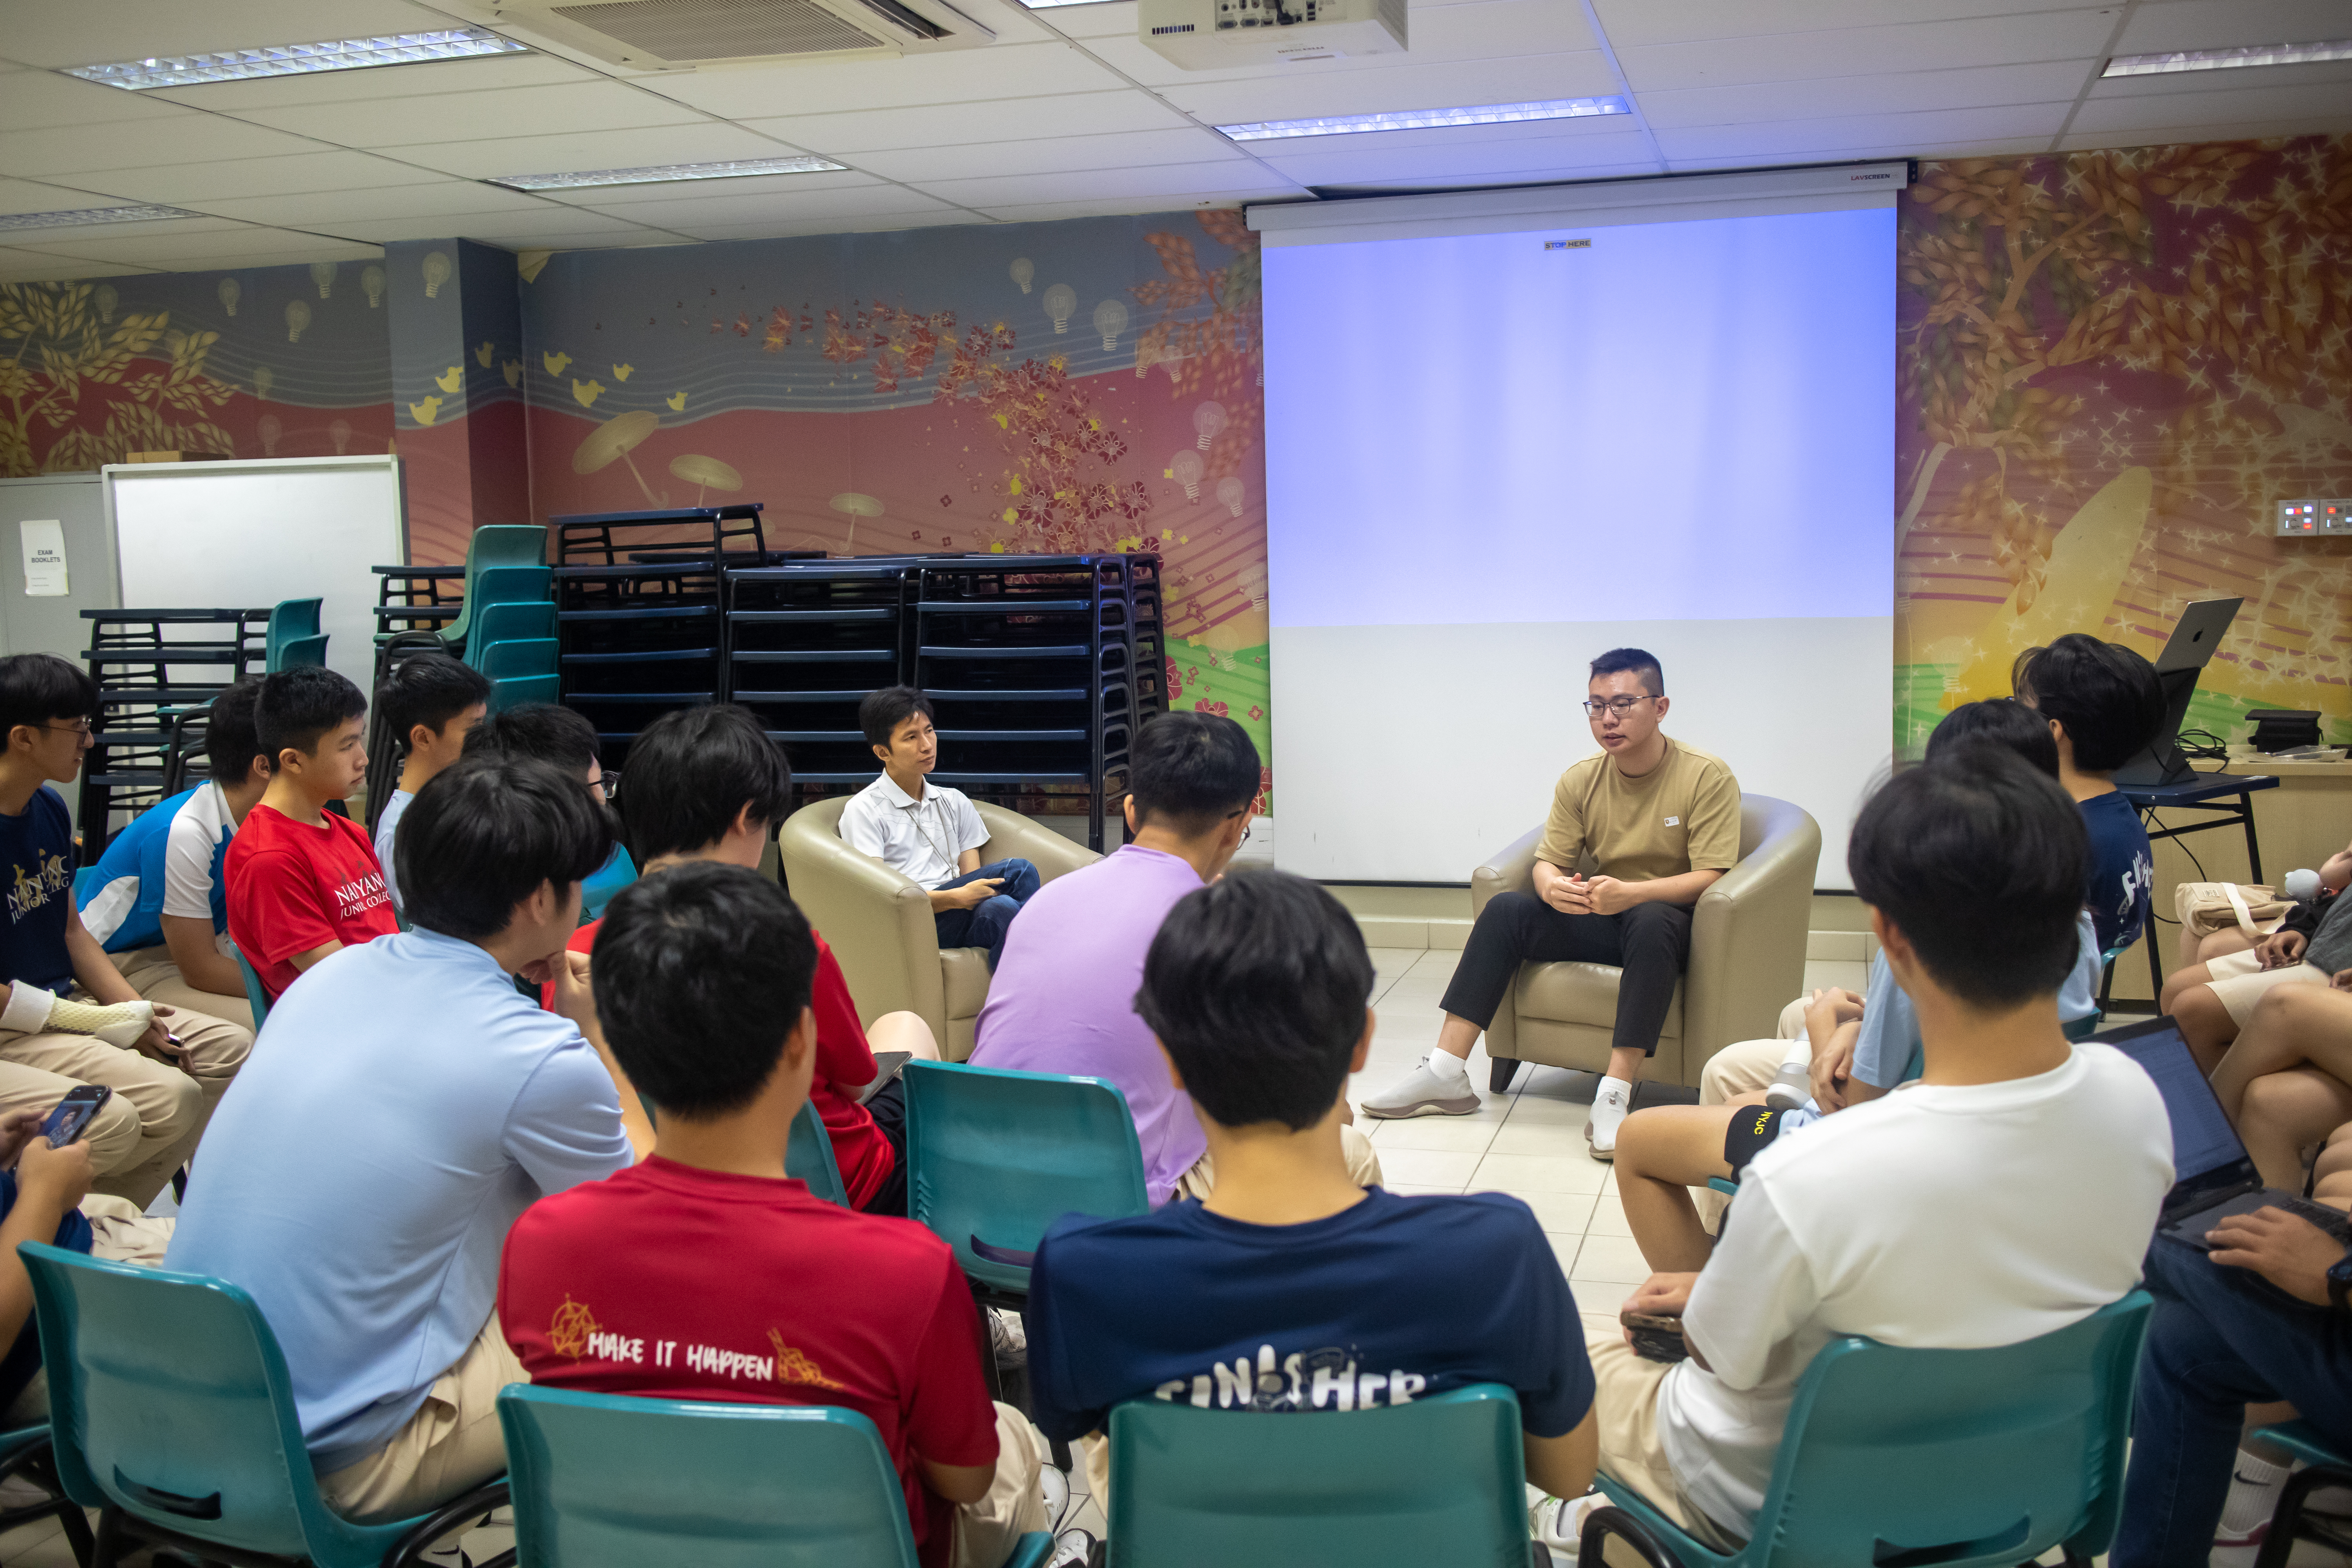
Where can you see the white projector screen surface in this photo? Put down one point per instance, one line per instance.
(1492, 456)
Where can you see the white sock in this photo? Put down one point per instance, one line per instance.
(1448, 1065)
(1606, 1114)
(2254, 1486)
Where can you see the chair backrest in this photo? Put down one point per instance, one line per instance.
(512, 585)
(526, 660)
(170, 1399)
(602, 1480)
(515, 690)
(258, 998)
(299, 653)
(1000, 1156)
(605, 884)
(1439, 1480)
(809, 1156)
(1748, 931)
(290, 619)
(499, 544)
(531, 620)
(1985, 1457)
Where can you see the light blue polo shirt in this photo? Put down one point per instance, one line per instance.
(1888, 1053)
(402, 1105)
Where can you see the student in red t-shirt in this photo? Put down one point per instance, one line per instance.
(304, 883)
(707, 1273)
(707, 784)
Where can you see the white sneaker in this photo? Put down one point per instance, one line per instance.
(1423, 1093)
(1608, 1109)
(1056, 1488)
(1790, 1088)
(1008, 1336)
(1558, 1522)
(1072, 1549)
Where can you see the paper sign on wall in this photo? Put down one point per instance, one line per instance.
(44, 558)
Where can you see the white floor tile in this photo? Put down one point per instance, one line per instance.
(1540, 1137)
(53, 1551)
(1853, 976)
(1428, 1167)
(1599, 1297)
(1560, 1214)
(1088, 1515)
(1577, 1172)
(1533, 1109)
(1406, 1191)
(1454, 1134)
(1609, 1217)
(1611, 1258)
(1394, 960)
(16, 1545)
(1437, 961)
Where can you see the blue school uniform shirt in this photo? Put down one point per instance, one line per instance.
(1390, 1300)
(2122, 872)
(1887, 1054)
(37, 857)
(167, 862)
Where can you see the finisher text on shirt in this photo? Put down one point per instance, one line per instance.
(1311, 1380)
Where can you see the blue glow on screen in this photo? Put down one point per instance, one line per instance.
(1687, 420)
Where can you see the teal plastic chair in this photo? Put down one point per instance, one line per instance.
(299, 653)
(508, 585)
(172, 1411)
(808, 1154)
(255, 996)
(1957, 1458)
(603, 1480)
(2324, 1468)
(526, 658)
(289, 620)
(530, 622)
(499, 544)
(993, 1158)
(26, 1455)
(1440, 1481)
(515, 691)
(605, 884)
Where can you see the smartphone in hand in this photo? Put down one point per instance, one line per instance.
(73, 1113)
(1655, 1337)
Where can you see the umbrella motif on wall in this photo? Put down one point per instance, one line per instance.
(705, 474)
(617, 438)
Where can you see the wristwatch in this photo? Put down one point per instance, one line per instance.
(2340, 1284)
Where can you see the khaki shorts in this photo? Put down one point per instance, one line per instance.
(2240, 981)
(1632, 1450)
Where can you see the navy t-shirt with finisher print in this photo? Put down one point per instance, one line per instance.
(1392, 1299)
(36, 855)
(2122, 870)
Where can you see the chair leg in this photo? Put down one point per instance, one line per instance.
(108, 1546)
(77, 1525)
(1501, 1071)
(2286, 1520)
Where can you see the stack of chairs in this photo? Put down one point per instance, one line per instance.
(152, 667)
(806, 642)
(409, 599)
(1150, 640)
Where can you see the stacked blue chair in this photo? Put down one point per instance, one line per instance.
(290, 621)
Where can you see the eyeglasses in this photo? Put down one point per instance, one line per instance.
(1621, 706)
(610, 784)
(82, 729)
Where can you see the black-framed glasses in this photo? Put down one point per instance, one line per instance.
(1621, 706)
(610, 784)
(82, 729)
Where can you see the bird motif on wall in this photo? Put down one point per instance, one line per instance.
(621, 372)
(424, 412)
(514, 371)
(555, 362)
(450, 380)
(586, 391)
(676, 401)
(483, 353)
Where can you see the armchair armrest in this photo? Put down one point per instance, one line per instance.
(1513, 870)
(1748, 933)
(1012, 837)
(878, 922)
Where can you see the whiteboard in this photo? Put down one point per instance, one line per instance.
(242, 535)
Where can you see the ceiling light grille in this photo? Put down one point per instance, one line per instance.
(719, 29)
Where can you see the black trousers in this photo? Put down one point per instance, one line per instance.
(1651, 942)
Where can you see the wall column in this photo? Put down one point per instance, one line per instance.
(457, 398)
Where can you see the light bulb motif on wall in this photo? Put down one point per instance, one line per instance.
(1209, 421)
(297, 316)
(262, 378)
(1185, 468)
(322, 273)
(371, 279)
(437, 272)
(228, 292)
(1110, 319)
(1024, 272)
(269, 430)
(1230, 491)
(1061, 299)
(106, 300)
(340, 431)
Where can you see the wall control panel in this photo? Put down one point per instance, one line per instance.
(2312, 518)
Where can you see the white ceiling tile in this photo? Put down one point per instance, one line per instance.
(2164, 25)
(32, 267)
(1054, 212)
(1935, 128)
(30, 196)
(716, 212)
(1868, 51)
(1311, 92)
(921, 165)
(709, 142)
(1868, 95)
(861, 223)
(552, 218)
(324, 208)
(2078, 140)
(599, 198)
(2236, 80)
(1631, 23)
(2010, 147)
(237, 241)
(1496, 30)
(181, 137)
(76, 35)
(395, 123)
(302, 173)
(1612, 129)
(489, 73)
(168, 231)
(1111, 19)
(2319, 105)
(1003, 70)
(973, 123)
(1519, 162)
(39, 100)
(1181, 180)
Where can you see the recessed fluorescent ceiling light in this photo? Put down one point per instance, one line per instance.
(1426, 119)
(659, 174)
(86, 216)
(2223, 60)
(300, 59)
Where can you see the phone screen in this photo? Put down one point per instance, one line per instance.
(73, 1113)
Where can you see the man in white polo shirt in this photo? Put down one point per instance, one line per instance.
(931, 834)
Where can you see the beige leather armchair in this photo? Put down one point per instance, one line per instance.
(1747, 958)
(879, 922)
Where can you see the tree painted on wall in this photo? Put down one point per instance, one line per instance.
(59, 344)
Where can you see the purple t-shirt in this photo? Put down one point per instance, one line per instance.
(1064, 998)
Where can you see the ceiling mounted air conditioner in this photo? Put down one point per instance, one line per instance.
(684, 35)
(1218, 34)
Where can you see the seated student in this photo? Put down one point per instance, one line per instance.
(2302, 1030)
(2266, 1315)
(159, 904)
(564, 737)
(68, 1016)
(1064, 998)
(2235, 944)
(707, 784)
(1924, 1219)
(1292, 1288)
(429, 702)
(2215, 1000)
(304, 883)
(707, 1273)
(1662, 820)
(2104, 705)
(929, 833)
(404, 1105)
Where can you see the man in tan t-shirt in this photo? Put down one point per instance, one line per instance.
(1661, 823)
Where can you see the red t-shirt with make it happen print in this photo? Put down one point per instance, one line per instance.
(293, 887)
(671, 1282)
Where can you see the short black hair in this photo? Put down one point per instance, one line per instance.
(885, 710)
(2000, 722)
(35, 687)
(428, 689)
(2106, 696)
(298, 706)
(701, 972)
(1191, 770)
(1979, 859)
(537, 730)
(691, 771)
(482, 836)
(1633, 661)
(1256, 984)
(231, 742)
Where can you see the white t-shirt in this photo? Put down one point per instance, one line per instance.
(385, 826)
(1938, 1216)
(921, 840)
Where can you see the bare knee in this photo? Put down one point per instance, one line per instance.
(2180, 981)
(2204, 1022)
(903, 1031)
